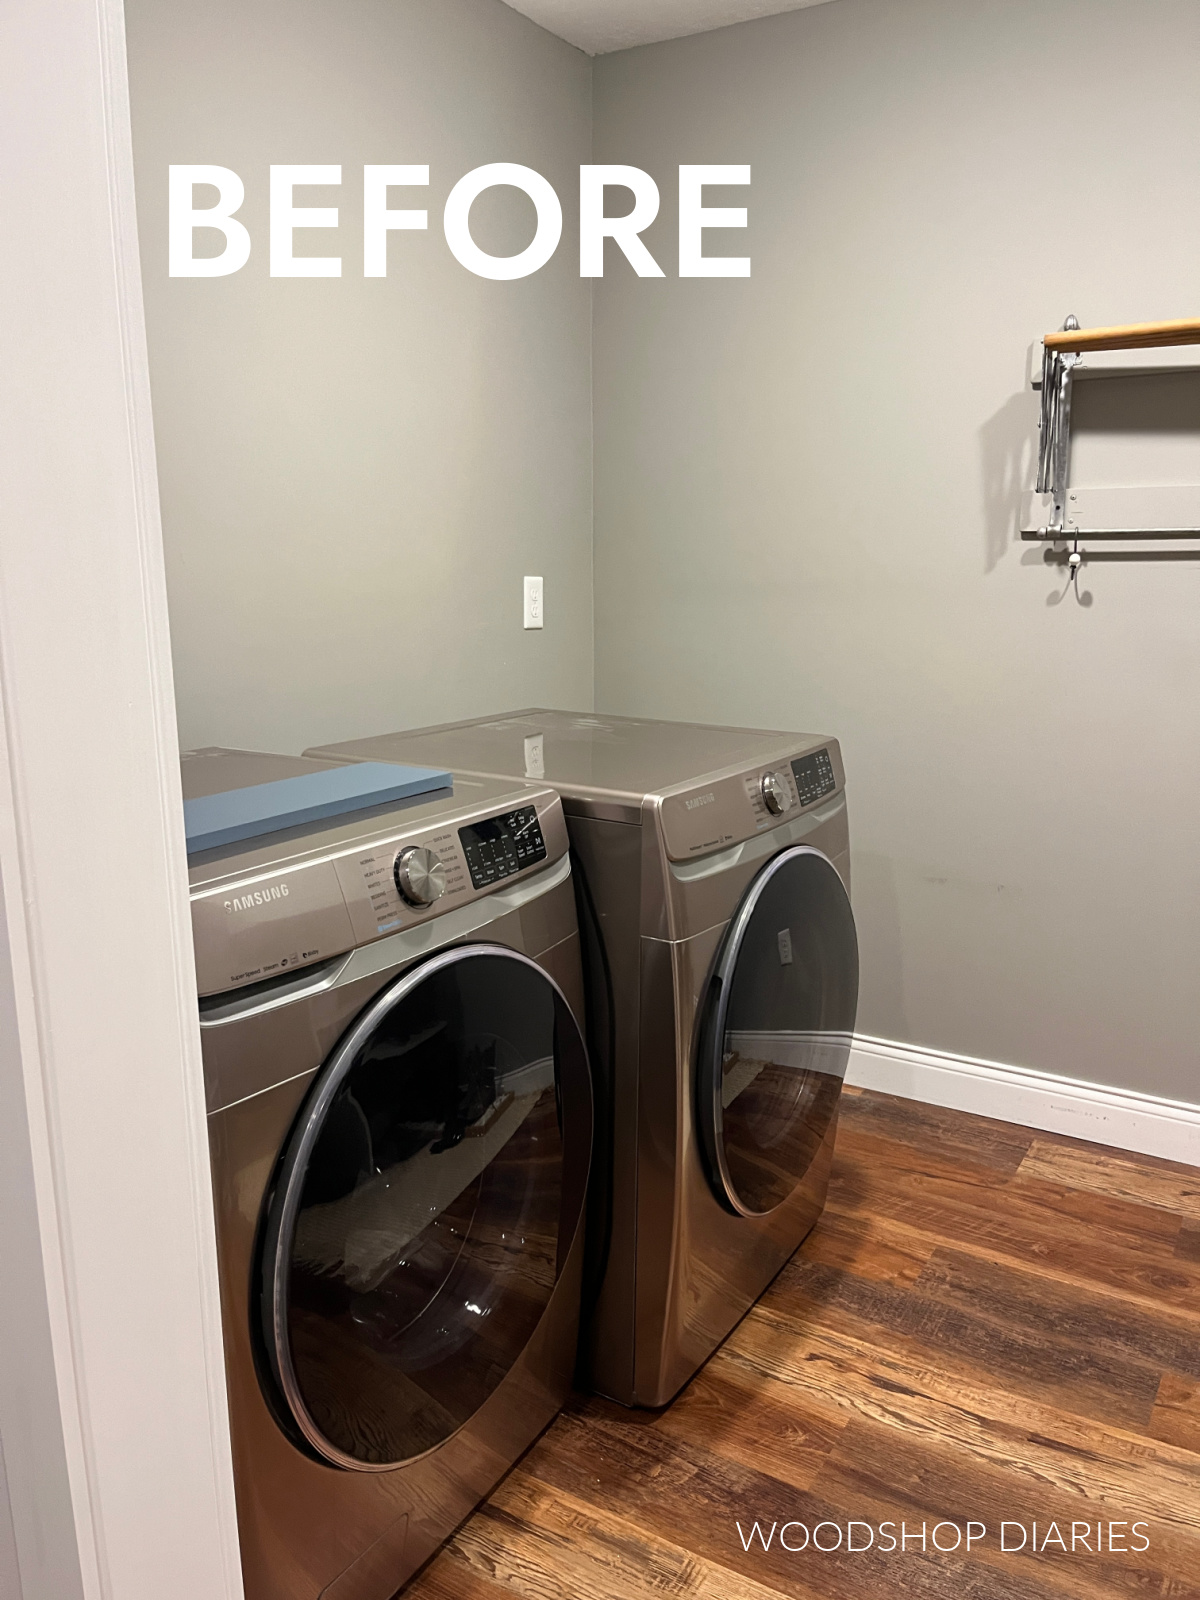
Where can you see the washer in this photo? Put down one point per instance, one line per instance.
(722, 965)
(400, 1123)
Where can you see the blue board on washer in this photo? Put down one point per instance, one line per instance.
(237, 814)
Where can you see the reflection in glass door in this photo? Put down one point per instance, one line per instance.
(779, 1021)
(426, 1201)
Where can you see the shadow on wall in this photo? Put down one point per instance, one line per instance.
(1007, 448)
(881, 1008)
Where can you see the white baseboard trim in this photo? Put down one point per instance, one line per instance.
(1119, 1117)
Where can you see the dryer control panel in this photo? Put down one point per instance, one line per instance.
(814, 777)
(732, 806)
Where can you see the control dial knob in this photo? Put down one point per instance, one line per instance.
(420, 875)
(775, 793)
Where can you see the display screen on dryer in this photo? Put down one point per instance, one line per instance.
(814, 776)
(502, 845)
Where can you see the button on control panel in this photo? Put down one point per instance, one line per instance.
(814, 776)
(503, 845)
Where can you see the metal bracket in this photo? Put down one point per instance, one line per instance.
(1054, 441)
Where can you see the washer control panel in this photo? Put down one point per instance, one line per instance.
(256, 917)
(814, 776)
(502, 845)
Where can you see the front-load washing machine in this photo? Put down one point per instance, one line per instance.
(400, 1121)
(722, 964)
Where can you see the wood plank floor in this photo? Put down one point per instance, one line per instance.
(989, 1324)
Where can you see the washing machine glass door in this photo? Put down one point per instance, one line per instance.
(778, 1020)
(424, 1206)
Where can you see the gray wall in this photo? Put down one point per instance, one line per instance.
(806, 484)
(806, 491)
(356, 474)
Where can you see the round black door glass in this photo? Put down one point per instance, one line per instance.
(417, 1229)
(781, 1009)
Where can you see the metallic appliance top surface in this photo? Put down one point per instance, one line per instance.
(214, 770)
(712, 784)
(625, 757)
(471, 795)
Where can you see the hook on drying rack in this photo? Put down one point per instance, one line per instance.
(1074, 562)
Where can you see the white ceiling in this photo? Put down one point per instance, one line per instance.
(598, 26)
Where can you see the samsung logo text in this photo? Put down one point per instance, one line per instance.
(709, 799)
(258, 897)
(380, 219)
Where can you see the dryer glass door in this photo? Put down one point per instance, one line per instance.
(424, 1207)
(779, 1015)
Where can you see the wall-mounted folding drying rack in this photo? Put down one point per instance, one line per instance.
(1055, 511)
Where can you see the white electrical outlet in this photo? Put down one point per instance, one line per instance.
(533, 603)
(535, 755)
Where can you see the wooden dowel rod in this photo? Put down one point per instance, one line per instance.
(1136, 336)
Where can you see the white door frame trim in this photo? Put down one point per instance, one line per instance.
(112, 1392)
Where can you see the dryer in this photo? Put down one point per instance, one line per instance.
(722, 960)
(400, 1123)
